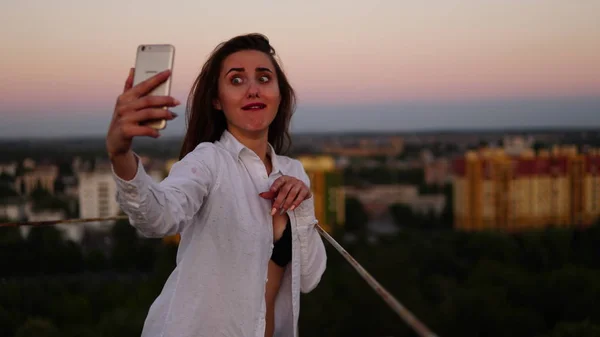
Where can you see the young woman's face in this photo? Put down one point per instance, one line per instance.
(248, 92)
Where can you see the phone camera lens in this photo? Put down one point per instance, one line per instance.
(143, 48)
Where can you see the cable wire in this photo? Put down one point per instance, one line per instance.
(394, 304)
(58, 222)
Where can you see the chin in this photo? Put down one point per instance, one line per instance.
(256, 124)
(258, 127)
(257, 130)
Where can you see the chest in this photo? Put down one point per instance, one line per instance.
(235, 205)
(243, 179)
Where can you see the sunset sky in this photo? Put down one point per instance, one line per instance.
(386, 65)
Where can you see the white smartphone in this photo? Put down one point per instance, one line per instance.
(150, 60)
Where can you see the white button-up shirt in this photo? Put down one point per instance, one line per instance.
(211, 198)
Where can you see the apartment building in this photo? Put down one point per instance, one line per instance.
(97, 191)
(496, 190)
(43, 176)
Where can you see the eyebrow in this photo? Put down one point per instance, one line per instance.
(242, 70)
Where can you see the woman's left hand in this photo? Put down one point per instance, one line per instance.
(288, 193)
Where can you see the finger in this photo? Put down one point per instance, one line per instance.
(148, 85)
(132, 130)
(278, 183)
(292, 195)
(147, 114)
(281, 196)
(302, 195)
(146, 102)
(268, 195)
(152, 101)
(129, 81)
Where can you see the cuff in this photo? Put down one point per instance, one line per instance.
(134, 188)
(305, 214)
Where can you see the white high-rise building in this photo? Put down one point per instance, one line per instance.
(97, 196)
(97, 192)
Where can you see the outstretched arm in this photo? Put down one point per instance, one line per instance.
(165, 208)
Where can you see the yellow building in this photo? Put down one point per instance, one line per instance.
(326, 186)
(493, 190)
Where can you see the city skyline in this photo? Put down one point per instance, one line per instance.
(371, 66)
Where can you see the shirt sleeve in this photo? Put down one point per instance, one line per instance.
(313, 258)
(166, 208)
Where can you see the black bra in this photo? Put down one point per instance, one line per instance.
(282, 248)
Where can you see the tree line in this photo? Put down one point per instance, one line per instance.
(543, 283)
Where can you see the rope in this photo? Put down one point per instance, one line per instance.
(57, 222)
(396, 306)
(393, 303)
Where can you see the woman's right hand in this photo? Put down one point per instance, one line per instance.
(134, 107)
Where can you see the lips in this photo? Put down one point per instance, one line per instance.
(254, 106)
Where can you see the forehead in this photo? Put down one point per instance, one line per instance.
(248, 59)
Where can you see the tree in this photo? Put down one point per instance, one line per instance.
(580, 329)
(125, 245)
(403, 215)
(38, 327)
(39, 193)
(447, 216)
(45, 250)
(356, 217)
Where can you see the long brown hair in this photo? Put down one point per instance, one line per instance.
(206, 124)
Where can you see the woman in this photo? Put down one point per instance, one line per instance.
(244, 211)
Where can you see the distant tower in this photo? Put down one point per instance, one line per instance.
(326, 185)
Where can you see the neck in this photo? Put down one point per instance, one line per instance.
(257, 142)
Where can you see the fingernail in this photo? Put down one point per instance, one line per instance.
(292, 208)
(177, 102)
(273, 211)
(282, 211)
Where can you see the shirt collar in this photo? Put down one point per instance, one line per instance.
(232, 144)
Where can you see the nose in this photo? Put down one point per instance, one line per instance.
(253, 90)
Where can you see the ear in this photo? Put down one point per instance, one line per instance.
(217, 104)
